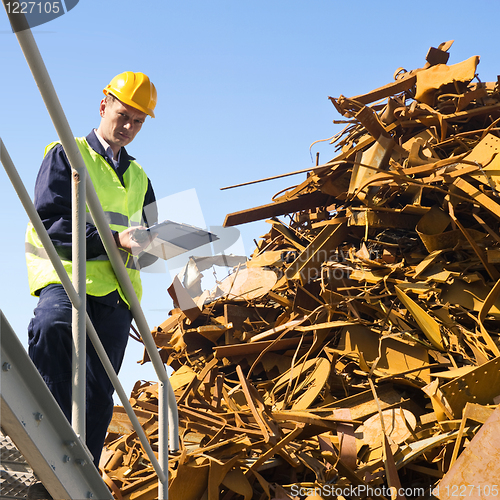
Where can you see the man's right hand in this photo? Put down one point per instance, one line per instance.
(134, 239)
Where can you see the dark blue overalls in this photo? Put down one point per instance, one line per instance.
(50, 347)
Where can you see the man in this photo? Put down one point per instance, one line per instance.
(128, 201)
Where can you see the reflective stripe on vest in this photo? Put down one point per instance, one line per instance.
(41, 253)
(122, 207)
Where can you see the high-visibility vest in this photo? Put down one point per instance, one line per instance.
(122, 207)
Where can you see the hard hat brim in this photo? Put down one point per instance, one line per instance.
(128, 101)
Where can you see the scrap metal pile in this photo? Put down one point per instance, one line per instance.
(358, 348)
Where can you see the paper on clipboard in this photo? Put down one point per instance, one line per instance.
(174, 238)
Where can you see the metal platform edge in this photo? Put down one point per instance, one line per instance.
(33, 420)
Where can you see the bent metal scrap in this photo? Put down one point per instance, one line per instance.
(356, 353)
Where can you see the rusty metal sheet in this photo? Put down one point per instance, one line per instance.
(480, 385)
(436, 77)
(475, 473)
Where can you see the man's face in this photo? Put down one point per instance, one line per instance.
(119, 123)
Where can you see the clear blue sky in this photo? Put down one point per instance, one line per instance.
(242, 93)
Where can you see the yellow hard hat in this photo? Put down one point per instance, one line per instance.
(134, 89)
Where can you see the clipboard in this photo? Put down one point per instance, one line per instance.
(173, 238)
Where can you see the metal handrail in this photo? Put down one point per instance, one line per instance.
(167, 401)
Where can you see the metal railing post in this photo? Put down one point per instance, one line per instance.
(79, 314)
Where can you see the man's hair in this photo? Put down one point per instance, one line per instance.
(110, 98)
